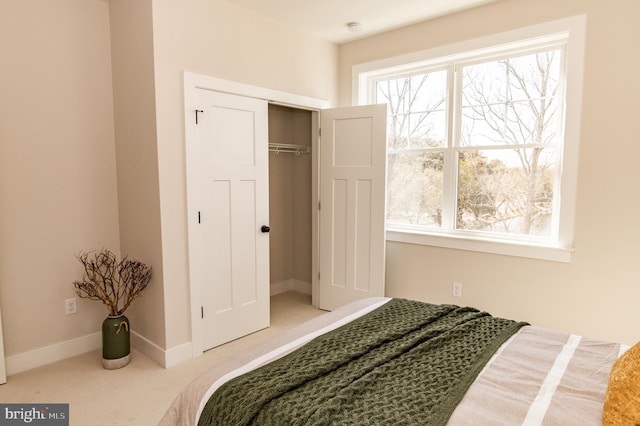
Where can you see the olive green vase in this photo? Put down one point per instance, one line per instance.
(116, 346)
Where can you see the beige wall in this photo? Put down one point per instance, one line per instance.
(280, 217)
(596, 294)
(290, 197)
(137, 156)
(302, 220)
(57, 165)
(61, 189)
(215, 38)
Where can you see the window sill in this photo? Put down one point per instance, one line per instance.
(484, 245)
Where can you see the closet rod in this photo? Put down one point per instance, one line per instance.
(284, 147)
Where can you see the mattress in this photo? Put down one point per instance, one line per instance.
(538, 376)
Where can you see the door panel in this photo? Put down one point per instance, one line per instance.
(233, 198)
(352, 142)
(362, 278)
(338, 233)
(352, 196)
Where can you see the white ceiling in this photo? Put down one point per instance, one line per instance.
(327, 19)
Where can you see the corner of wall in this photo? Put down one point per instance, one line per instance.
(165, 358)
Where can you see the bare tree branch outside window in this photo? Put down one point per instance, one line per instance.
(416, 139)
(507, 124)
(510, 108)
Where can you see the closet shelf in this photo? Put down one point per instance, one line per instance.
(290, 148)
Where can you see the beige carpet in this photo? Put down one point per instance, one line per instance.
(139, 393)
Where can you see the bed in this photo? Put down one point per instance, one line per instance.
(394, 361)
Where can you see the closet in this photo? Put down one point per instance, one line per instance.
(290, 218)
(237, 194)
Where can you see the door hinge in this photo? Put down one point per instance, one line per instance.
(202, 312)
(318, 276)
(198, 217)
(319, 205)
(319, 132)
(197, 111)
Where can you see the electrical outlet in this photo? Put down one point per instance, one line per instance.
(457, 289)
(70, 306)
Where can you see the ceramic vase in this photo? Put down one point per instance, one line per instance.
(116, 346)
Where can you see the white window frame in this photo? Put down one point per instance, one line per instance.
(571, 33)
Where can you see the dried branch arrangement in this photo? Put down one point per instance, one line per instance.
(116, 283)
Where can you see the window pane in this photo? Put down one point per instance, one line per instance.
(534, 122)
(533, 76)
(393, 92)
(429, 91)
(417, 109)
(484, 83)
(511, 101)
(482, 125)
(427, 129)
(506, 191)
(414, 188)
(398, 131)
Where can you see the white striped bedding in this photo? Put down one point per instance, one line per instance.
(538, 377)
(541, 377)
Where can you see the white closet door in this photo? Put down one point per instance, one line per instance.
(352, 196)
(231, 263)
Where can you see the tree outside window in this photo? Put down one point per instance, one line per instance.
(504, 141)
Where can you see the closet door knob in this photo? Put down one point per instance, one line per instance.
(265, 229)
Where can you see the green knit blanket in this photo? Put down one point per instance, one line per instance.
(406, 362)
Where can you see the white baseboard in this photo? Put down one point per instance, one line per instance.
(148, 348)
(165, 358)
(57, 352)
(178, 355)
(52, 353)
(290, 285)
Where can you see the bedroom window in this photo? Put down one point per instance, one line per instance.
(482, 143)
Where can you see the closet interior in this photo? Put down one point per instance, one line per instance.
(290, 199)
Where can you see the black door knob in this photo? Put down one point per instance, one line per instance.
(265, 229)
